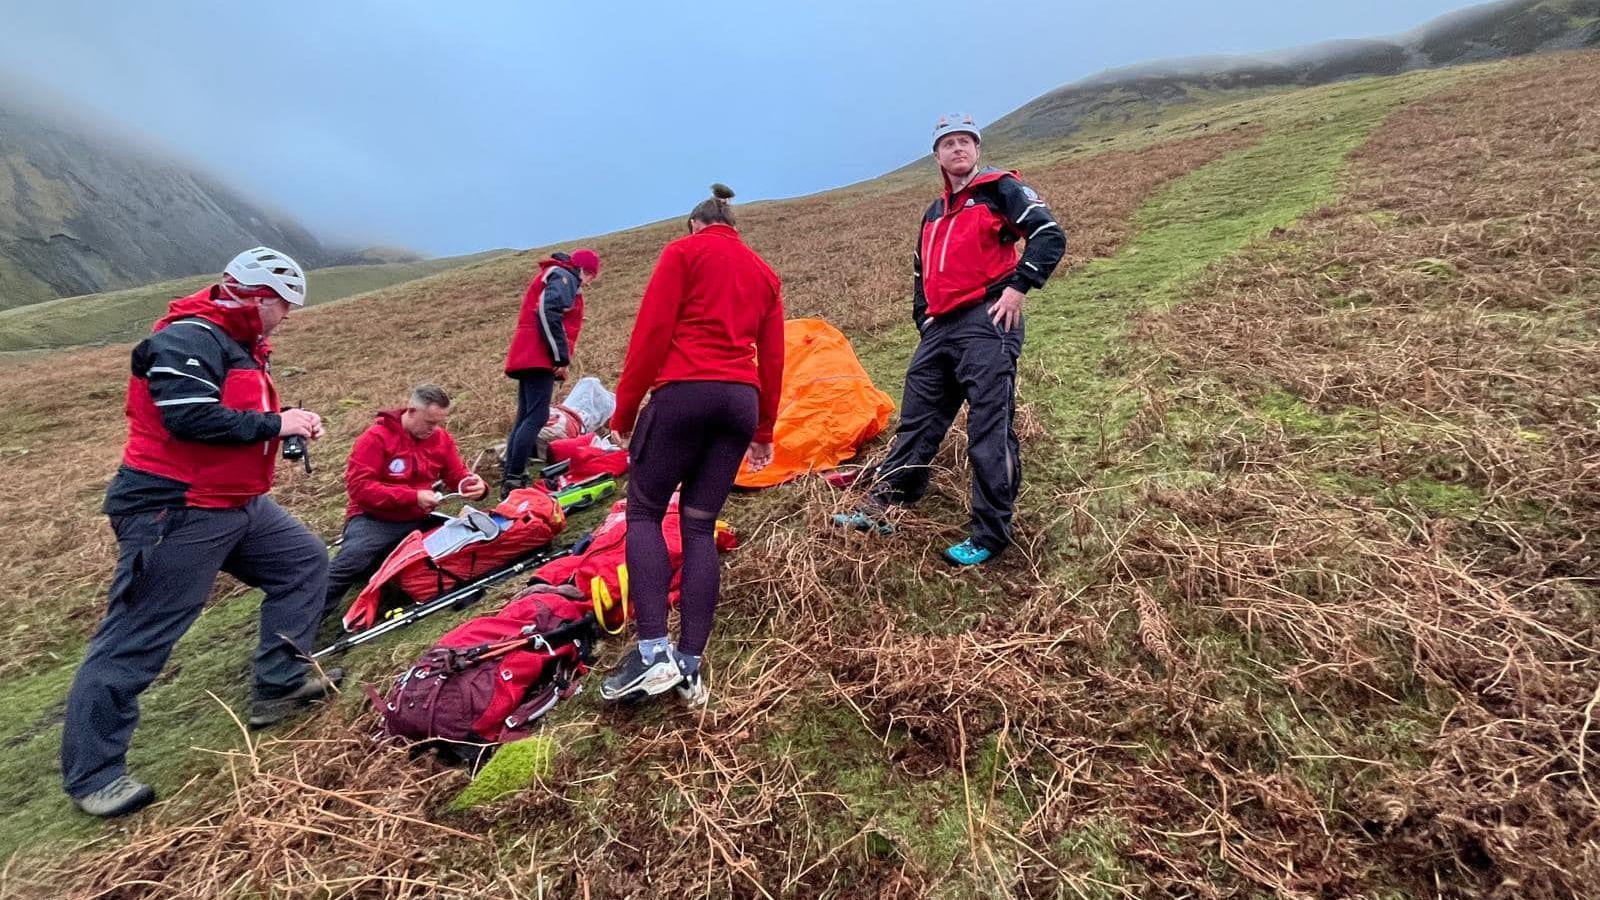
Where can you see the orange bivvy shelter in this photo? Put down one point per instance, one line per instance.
(828, 407)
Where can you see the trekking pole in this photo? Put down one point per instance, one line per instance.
(460, 598)
(530, 636)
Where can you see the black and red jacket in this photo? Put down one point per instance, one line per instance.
(966, 250)
(202, 412)
(551, 317)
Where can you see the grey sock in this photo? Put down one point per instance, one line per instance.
(651, 649)
(688, 665)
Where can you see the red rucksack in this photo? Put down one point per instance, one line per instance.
(601, 567)
(489, 680)
(413, 572)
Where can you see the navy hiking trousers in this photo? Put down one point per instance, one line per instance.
(167, 564)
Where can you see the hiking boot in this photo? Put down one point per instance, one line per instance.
(118, 798)
(636, 679)
(313, 688)
(967, 553)
(510, 483)
(692, 690)
(866, 517)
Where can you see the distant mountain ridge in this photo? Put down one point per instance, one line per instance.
(1475, 34)
(82, 211)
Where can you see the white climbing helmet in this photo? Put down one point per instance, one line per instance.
(955, 125)
(266, 267)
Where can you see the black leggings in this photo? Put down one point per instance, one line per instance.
(693, 433)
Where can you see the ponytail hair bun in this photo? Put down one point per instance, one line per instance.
(714, 210)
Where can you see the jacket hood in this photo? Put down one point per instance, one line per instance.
(241, 322)
(984, 176)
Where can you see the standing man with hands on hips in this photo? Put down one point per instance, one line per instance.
(967, 291)
(204, 429)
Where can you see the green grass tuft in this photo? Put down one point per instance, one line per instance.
(512, 768)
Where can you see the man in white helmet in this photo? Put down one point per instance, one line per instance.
(189, 500)
(967, 290)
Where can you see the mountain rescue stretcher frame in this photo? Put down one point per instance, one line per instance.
(579, 496)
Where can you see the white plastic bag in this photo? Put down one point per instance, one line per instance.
(586, 407)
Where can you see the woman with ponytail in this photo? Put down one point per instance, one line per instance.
(712, 404)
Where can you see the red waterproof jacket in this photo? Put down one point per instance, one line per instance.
(202, 411)
(967, 245)
(388, 466)
(713, 311)
(551, 317)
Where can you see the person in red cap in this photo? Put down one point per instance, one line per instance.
(708, 348)
(541, 350)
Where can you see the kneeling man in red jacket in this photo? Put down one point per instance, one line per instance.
(390, 477)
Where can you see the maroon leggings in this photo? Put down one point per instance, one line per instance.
(693, 433)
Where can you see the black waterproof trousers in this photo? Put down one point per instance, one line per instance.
(963, 357)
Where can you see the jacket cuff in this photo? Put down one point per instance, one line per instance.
(762, 436)
(1020, 282)
(271, 424)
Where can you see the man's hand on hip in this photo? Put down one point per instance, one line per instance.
(1007, 311)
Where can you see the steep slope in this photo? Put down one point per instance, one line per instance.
(83, 211)
(1303, 603)
(1135, 94)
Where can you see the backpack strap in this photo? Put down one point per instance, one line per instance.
(562, 683)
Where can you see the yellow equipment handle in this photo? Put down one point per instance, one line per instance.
(604, 602)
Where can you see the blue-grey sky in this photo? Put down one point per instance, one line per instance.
(453, 127)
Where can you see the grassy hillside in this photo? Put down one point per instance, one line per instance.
(1137, 95)
(125, 315)
(1303, 602)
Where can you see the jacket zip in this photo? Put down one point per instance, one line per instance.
(945, 247)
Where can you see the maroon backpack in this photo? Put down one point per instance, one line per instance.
(489, 680)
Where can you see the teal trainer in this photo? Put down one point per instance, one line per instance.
(864, 519)
(967, 553)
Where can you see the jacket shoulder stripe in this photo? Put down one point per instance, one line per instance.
(168, 370)
(185, 401)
